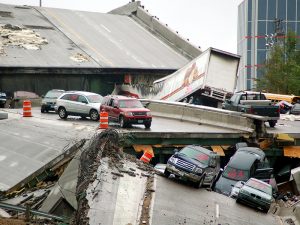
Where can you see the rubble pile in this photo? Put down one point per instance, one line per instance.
(109, 145)
(16, 36)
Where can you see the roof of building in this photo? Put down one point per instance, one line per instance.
(49, 37)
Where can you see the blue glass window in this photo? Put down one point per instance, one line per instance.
(261, 32)
(281, 9)
(249, 10)
(272, 9)
(270, 27)
(298, 10)
(262, 9)
(291, 10)
(291, 26)
(261, 57)
(248, 58)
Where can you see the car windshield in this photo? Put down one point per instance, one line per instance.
(195, 154)
(94, 98)
(260, 186)
(130, 103)
(236, 174)
(53, 94)
(253, 96)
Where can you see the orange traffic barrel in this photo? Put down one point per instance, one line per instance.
(27, 108)
(146, 157)
(103, 120)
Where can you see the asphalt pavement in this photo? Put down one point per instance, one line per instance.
(175, 202)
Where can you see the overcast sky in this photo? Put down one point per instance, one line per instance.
(206, 23)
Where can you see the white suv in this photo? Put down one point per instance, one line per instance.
(79, 103)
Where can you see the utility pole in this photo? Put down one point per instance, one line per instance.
(40, 3)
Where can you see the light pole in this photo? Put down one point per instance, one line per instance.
(40, 3)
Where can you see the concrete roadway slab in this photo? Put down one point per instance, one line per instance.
(177, 203)
(28, 144)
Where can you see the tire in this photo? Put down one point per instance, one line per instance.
(94, 115)
(212, 183)
(147, 125)
(42, 109)
(265, 210)
(199, 184)
(167, 173)
(272, 123)
(122, 122)
(62, 113)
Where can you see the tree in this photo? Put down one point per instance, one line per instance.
(281, 72)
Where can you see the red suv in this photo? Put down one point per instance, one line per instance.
(126, 110)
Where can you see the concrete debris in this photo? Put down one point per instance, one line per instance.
(290, 117)
(116, 171)
(80, 58)
(16, 36)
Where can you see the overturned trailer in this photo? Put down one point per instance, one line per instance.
(206, 80)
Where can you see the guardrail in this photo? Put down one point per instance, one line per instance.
(201, 114)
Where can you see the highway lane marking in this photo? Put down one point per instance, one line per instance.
(105, 28)
(217, 211)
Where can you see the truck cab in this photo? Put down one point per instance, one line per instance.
(254, 103)
(194, 163)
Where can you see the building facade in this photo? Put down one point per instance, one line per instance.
(259, 23)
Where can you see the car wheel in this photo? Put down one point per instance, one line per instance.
(147, 125)
(199, 184)
(62, 113)
(167, 173)
(42, 109)
(94, 115)
(122, 122)
(211, 185)
(272, 123)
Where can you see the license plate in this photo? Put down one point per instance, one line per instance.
(140, 121)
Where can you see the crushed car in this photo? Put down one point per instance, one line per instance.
(257, 194)
(194, 163)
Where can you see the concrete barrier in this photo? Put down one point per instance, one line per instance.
(3, 115)
(18, 103)
(201, 115)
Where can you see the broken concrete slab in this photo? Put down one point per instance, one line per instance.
(3, 115)
(29, 146)
(64, 188)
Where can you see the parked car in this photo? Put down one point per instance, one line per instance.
(3, 99)
(126, 111)
(79, 103)
(194, 163)
(295, 110)
(236, 189)
(241, 167)
(49, 100)
(257, 194)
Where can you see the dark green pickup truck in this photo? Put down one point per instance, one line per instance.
(253, 103)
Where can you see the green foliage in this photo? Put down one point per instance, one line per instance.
(282, 68)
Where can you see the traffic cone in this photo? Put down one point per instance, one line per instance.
(27, 108)
(103, 120)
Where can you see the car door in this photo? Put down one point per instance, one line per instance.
(82, 105)
(109, 109)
